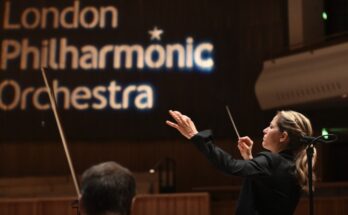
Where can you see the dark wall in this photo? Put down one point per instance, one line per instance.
(243, 33)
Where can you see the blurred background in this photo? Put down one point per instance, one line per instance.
(117, 67)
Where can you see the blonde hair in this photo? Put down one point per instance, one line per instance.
(297, 125)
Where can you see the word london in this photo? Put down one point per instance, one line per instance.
(71, 17)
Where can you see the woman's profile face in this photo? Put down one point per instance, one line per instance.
(272, 136)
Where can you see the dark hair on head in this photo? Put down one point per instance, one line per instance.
(297, 125)
(107, 187)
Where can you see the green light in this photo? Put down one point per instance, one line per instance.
(324, 133)
(324, 15)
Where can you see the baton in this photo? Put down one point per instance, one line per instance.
(231, 118)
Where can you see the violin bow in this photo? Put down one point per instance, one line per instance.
(61, 132)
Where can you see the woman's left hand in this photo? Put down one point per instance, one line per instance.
(245, 146)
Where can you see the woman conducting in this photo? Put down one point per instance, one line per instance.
(275, 178)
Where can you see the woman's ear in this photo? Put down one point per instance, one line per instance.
(284, 137)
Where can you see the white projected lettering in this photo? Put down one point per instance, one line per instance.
(55, 53)
(21, 50)
(85, 17)
(113, 96)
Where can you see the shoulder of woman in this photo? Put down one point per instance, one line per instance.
(271, 158)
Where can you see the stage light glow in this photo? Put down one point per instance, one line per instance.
(324, 15)
(324, 132)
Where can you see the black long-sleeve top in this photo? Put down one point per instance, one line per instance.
(270, 186)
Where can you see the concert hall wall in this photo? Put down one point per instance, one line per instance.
(117, 67)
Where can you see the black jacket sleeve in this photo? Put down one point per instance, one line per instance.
(260, 165)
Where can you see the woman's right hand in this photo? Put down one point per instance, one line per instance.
(183, 124)
(245, 146)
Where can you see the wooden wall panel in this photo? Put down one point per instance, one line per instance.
(37, 206)
(172, 204)
(183, 204)
(48, 159)
(324, 206)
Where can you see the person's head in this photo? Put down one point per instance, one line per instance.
(107, 188)
(285, 133)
